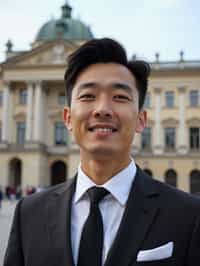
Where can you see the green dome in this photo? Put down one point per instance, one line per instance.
(65, 28)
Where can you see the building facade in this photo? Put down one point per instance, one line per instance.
(36, 148)
(169, 147)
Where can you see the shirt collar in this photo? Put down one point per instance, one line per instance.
(119, 185)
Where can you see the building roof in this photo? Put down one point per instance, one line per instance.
(65, 28)
(175, 65)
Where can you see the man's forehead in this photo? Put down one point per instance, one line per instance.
(106, 73)
(112, 66)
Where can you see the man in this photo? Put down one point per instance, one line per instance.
(111, 213)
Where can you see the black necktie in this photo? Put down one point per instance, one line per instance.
(91, 243)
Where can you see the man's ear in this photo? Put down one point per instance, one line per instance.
(141, 121)
(67, 118)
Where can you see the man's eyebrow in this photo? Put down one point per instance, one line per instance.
(86, 85)
(123, 86)
(113, 85)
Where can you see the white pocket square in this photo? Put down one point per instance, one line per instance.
(159, 253)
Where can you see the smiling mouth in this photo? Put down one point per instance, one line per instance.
(102, 129)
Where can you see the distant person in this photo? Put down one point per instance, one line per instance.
(18, 192)
(12, 193)
(30, 190)
(39, 189)
(33, 189)
(111, 213)
(7, 192)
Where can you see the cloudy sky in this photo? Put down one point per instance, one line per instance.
(144, 27)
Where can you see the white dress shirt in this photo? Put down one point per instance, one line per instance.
(111, 207)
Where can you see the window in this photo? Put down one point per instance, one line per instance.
(146, 138)
(195, 181)
(170, 136)
(21, 130)
(23, 96)
(60, 136)
(61, 99)
(147, 101)
(171, 177)
(194, 138)
(169, 98)
(1, 98)
(194, 98)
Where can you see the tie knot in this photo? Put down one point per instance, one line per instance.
(96, 194)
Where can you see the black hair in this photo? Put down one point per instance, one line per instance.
(105, 51)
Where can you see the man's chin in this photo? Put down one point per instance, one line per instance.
(103, 152)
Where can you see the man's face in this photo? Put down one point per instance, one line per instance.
(104, 113)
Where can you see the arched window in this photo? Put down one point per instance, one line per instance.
(171, 177)
(58, 172)
(15, 172)
(195, 181)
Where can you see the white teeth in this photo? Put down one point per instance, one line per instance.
(103, 129)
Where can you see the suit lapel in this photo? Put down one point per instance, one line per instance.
(138, 216)
(59, 214)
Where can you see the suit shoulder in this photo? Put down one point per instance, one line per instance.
(169, 197)
(176, 196)
(40, 198)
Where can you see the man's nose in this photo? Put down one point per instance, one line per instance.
(103, 109)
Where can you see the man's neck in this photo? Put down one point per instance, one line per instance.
(100, 171)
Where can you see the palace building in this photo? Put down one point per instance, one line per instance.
(35, 147)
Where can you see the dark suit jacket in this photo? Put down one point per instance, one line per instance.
(156, 214)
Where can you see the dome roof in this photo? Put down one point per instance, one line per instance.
(64, 28)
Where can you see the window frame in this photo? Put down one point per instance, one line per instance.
(196, 140)
(149, 138)
(20, 132)
(61, 96)
(23, 96)
(60, 134)
(147, 101)
(170, 145)
(169, 99)
(194, 99)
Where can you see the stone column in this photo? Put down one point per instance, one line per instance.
(158, 146)
(38, 112)
(182, 142)
(44, 126)
(29, 113)
(6, 119)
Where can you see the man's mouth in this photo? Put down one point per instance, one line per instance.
(99, 128)
(102, 130)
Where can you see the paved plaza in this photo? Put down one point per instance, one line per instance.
(6, 214)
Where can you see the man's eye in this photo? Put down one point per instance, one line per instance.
(87, 97)
(122, 97)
